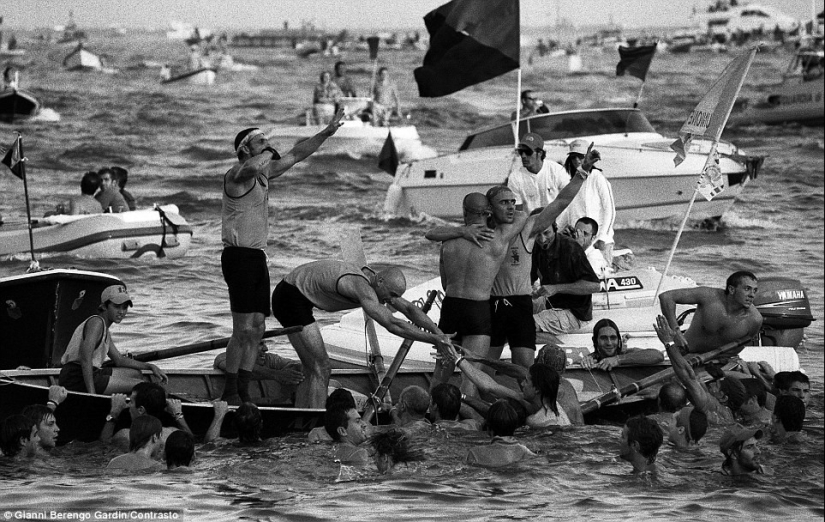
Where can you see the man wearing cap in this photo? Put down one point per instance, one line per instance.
(244, 232)
(594, 200)
(91, 342)
(538, 180)
(741, 450)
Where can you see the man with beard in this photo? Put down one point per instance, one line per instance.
(740, 447)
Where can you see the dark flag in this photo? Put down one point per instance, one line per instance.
(14, 159)
(372, 42)
(471, 41)
(635, 61)
(388, 158)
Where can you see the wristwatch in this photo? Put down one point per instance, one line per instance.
(110, 418)
(670, 345)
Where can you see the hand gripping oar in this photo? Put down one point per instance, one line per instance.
(400, 355)
(616, 394)
(205, 346)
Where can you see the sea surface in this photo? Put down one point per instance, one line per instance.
(176, 142)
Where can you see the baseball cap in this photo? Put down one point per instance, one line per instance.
(579, 147)
(531, 140)
(116, 294)
(735, 435)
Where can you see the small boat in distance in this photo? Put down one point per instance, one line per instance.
(636, 160)
(81, 59)
(202, 76)
(15, 103)
(160, 231)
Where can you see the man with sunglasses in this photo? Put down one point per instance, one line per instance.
(244, 232)
(530, 106)
(538, 180)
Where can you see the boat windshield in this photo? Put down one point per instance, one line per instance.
(563, 125)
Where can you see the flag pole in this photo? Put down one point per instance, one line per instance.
(34, 266)
(639, 96)
(518, 108)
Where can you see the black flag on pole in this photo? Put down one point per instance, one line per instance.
(635, 61)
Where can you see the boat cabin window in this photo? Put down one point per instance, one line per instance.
(564, 125)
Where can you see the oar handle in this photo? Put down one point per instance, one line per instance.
(205, 346)
(616, 394)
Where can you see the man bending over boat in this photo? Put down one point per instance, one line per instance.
(333, 285)
(245, 228)
(92, 341)
(721, 316)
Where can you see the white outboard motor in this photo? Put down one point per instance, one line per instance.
(785, 309)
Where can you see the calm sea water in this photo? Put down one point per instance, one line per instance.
(176, 142)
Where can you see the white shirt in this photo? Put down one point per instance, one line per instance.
(597, 261)
(537, 190)
(594, 200)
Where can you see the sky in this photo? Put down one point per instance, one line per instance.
(353, 15)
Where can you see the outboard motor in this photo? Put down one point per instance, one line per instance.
(785, 309)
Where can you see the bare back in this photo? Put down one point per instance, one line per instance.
(468, 271)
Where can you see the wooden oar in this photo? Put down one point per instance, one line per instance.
(400, 355)
(616, 394)
(205, 346)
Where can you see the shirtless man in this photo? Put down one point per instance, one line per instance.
(721, 316)
(332, 285)
(468, 271)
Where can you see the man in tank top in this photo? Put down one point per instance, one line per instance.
(245, 228)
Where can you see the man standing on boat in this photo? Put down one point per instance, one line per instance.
(721, 316)
(245, 228)
(386, 103)
(538, 180)
(332, 285)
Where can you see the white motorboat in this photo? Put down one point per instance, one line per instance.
(636, 160)
(626, 298)
(80, 59)
(356, 137)
(160, 231)
(799, 98)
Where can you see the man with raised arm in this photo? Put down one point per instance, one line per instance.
(245, 228)
(721, 316)
(332, 285)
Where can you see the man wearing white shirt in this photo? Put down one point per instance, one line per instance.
(586, 231)
(537, 182)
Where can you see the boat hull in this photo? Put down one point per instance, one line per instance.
(801, 102)
(81, 59)
(646, 185)
(204, 76)
(17, 104)
(123, 235)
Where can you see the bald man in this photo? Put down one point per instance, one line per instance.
(333, 285)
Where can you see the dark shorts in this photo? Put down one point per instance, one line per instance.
(512, 319)
(290, 307)
(464, 317)
(71, 378)
(247, 276)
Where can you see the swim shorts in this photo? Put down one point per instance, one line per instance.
(71, 378)
(247, 276)
(512, 320)
(465, 317)
(290, 307)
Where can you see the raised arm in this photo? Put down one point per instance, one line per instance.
(696, 392)
(303, 149)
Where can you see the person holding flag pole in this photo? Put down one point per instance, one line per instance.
(16, 162)
(708, 120)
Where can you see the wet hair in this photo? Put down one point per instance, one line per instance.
(797, 376)
(448, 399)
(782, 381)
(754, 388)
(698, 422)
(249, 423)
(647, 433)
(143, 429)
(340, 398)
(121, 175)
(672, 397)
(736, 278)
(495, 191)
(90, 183)
(37, 413)
(521, 411)
(240, 136)
(395, 444)
(599, 325)
(790, 411)
(553, 356)
(502, 419)
(416, 399)
(12, 429)
(180, 448)
(546, 381)
(152, 397)
(336, 418)
(590, 221)
(736, 392)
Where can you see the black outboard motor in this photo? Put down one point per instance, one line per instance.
(785, 309)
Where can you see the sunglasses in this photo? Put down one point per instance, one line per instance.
(526, 151)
